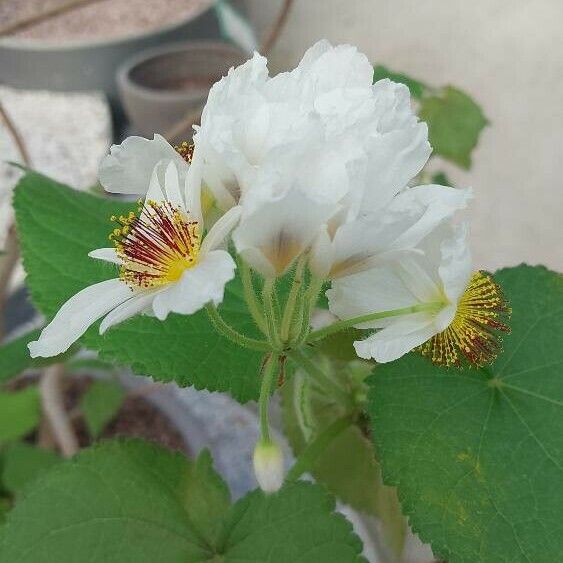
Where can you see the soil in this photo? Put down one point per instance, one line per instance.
(137, 417)
(98, 19)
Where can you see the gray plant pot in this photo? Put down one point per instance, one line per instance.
(160, 86)
(91, 65)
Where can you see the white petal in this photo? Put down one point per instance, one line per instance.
(137, 304)
(221, 229)
(77, 314)
(419, 210)
(456, 267)
(202, 284)
(396, 340)
(399, 226)
(371, 291)
(415, 274)
(322, 256)
(128, 167)
(395, 158)
(281, 229)
(193, 187)
(105, 254)
(172, 185)
(155, 191)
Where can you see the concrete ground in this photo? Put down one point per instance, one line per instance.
(508, 55)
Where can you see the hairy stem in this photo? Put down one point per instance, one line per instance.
(270, 311)
(348, 323)
(268, 374)
(289, 311)
(229, 332)
(306, 461)
(254, 305)
(309, 301)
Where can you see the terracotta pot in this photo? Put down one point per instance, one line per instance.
(161, 86)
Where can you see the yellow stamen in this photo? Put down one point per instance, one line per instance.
(185, 150)
(472, 334)
(157, 246)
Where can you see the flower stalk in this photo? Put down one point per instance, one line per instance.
(252, 301)
(268, 374)
(348, 323)
(270, 313)
(229, 332)
(292, 299)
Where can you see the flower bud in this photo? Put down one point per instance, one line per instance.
(268, 466)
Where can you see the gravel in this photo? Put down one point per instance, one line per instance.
(100, 19)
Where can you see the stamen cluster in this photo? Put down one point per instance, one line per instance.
(156, 245)
(481, 313)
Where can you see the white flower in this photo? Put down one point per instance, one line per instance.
(324, 122)
(455, 312)
(129, 166)
(271, 235)
(318, 145)
(165, 264)
(386, 233)
(268, 466)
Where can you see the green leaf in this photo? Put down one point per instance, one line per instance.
(100, 404)
(295, 524)
(441, 179)
(119, 502)
(22, 463)
(455, 122)
(477, 455)
(14, 356)
(19, 413)
(131, 502)
(340, 345)
(416, 87)
(57, 227)
(5, 505)
(206, 499)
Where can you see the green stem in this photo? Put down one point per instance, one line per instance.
(341, 325)
(302, 360)
(254, 305)
(229, 332)
(264, 400)
(305, 462)
(270, 313)
(309, 301)
(288, 314)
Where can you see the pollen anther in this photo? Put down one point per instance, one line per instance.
(473, 333)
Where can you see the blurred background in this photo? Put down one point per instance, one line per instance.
(507, 55)
(78, 75)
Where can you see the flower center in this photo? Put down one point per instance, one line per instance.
(185, 150)
(481, 314)
(156, 246)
